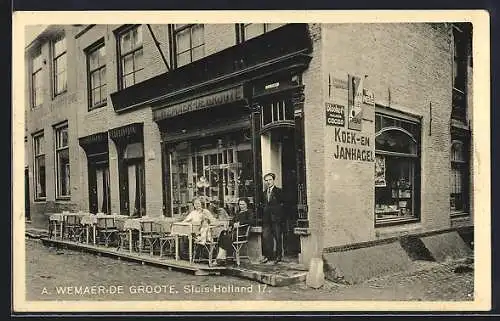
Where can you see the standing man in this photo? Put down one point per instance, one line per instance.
(272, 220)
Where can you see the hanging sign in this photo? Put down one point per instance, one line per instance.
(354, 101)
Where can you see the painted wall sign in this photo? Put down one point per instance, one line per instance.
(354, 101)
(352, 146)
(335, 115)
(218, 98)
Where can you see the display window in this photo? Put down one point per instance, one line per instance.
(397, 170)
(217, 169)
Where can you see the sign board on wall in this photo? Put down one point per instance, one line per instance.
(354, 101)
(335, 114)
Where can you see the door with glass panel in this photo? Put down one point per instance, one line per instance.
(100, 197)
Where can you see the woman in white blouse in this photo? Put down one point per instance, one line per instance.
(196, 216)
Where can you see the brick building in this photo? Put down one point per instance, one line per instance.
(367, 126)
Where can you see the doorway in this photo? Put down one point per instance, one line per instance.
(99, 189)
(279, 157)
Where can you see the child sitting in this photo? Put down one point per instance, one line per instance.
(204, 232)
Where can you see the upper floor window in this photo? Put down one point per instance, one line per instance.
(39, 166)
(96, 76)
(59, 65)
(131, 63)
(189, 43)
(62, 161)
(252, 30)
(461, 41)
(36, 79)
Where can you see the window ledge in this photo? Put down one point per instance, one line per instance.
(56, 96)
(396, 221)
(40, 200)
(97, 107)
(63, 198)
(459, 214)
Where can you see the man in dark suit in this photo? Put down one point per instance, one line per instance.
(272, 220)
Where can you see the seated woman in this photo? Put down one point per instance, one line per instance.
(201, 218)
(225, 242)
(196, 216)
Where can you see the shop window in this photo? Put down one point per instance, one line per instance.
(397, 170)
(96, 76)
(459, 183)
(59, 65)
(62, 162)
(276, 111)
(131, 63)
(39, 166)
(218, 170)
(36, 79)
(189, 43)
(252, 30)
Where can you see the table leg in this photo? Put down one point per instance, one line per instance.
(87, 233)
(61, 230)
(130, 240)
(93, 233)
(140, 241)
(190, 249)
(177, 247)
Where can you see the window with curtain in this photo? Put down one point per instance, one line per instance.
(131, 62)
(459, 183)
(62, 162)
(397, 169)
(189, 43)
(36, 78)
(96, 73)
(59, 65)
(39, 166)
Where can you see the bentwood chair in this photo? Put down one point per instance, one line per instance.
(240, 240)
(150, 234)
(106, 229)
(168, 240)
(73, 227)
(207, 247)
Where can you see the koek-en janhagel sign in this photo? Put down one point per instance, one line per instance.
(352, 146)
(335, 115)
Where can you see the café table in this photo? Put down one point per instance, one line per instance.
(188, 229)
(56, 220)
(131, 224)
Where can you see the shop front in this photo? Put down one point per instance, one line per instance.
(227, 119)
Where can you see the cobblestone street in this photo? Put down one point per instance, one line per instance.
(56, 274)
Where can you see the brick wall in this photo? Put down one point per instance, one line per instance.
(408, 68)
(53, 111)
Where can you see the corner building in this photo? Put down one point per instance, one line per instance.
(367, 126)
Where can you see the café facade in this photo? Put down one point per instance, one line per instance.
(361, 144)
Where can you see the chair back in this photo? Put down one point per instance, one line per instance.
(105, 222)
(242, 232)
(120, 225)
(73, 220)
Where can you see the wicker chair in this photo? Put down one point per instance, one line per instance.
(240, 240)
(151, 234)
(106, 229)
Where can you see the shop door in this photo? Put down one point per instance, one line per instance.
(289, 182)
(136, 202)
(100, 197)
